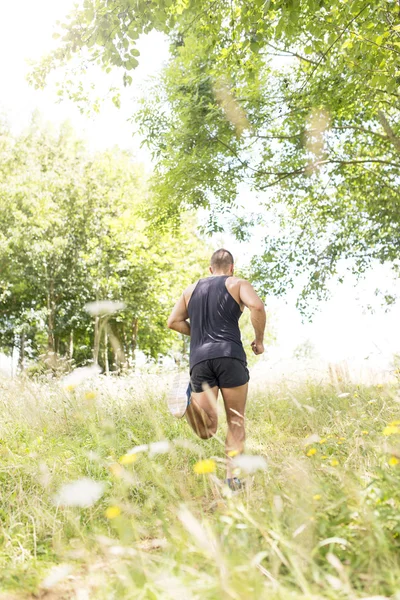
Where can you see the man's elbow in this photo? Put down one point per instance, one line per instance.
(170, 323)
(258, 307)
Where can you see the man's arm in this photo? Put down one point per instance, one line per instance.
(257, 314)
(177, 320)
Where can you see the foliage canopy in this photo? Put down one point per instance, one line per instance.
(296, 99)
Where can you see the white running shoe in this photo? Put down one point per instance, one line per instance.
(179, 395)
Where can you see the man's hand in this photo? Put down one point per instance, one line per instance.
(257, 347)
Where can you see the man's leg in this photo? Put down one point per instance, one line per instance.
(202, 413)
(235, 404)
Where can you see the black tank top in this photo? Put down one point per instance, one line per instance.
(214, 322)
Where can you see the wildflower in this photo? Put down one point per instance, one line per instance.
(379, 386)
(78, 376)
(365, 432)
(112, 512)
(391, 429)
(311, 452)
(395, 423)
(342, 439)
(355, 395)
(116, 469)
(324, 457)
(322, 441)
(317, 497)
(393, 461)
(103, 307)
(334, 462)
(159, 447)
(90, 395)
(137, 449)
(233, 453)
(83, 493)
(250, 463)
(202, 467)
(128, 459)
(57, 573)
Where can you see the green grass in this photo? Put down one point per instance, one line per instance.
(314, 525)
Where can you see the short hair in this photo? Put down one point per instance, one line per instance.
(221, 260)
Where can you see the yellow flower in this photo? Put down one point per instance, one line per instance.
(90, 395)
(70, 388)
(204, 466)
(112, 512)
(311, 452)
(379, 386)
(233, 453)
(334, 462)
(128, 459)
(355, 395)
(393, 461)
(317, 497)
(116, 469)
(324, 457)
(342, 439)
(390, 430)
(322, 441)
(395, 423)
(364, 432)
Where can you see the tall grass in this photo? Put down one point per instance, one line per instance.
(322, 521)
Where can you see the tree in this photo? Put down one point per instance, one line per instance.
(72, 231)
(298, 99)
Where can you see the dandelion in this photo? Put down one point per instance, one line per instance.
(202, 467)
(57, 573)
(334, 462)
(322, 441)
(116, 469)
(78, 376)
(379, 386)
(112, 512)
(159, 447)
(394, 423)
(364, 432)
(90, 395)
(233, 453)
(137, 449)
(393, 461)
(324, 457)
(317, 497)
(391, 429)
(82, 492)
(103, 308)
(128, 459)
(250, 463)
(311, 452)
(342, 439)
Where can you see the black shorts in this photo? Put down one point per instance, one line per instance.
(221, 372)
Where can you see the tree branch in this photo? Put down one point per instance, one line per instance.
(388, 130)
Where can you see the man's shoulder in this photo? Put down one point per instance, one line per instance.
(236, 281)
(189, 291)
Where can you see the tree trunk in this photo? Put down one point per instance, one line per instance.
(106, 363)
(135, 327)
(71, 344)
(96, 345)
(21, 357)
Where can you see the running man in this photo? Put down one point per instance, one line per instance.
(209, 312)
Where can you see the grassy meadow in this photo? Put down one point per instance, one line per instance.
(83, 516)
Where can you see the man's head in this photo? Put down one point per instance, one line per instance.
(221, 262)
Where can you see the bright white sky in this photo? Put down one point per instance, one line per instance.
(341, 330)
